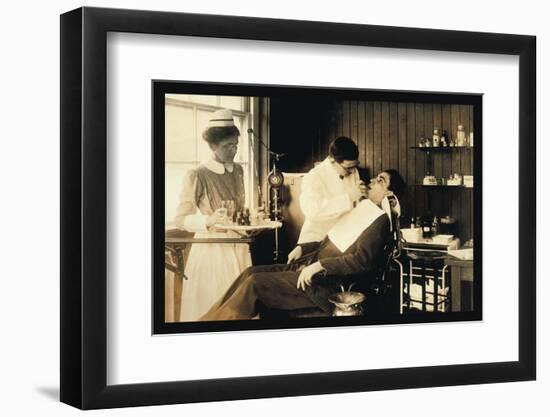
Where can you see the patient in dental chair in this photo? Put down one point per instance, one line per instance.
(351, 254)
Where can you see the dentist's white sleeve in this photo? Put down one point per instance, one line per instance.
(316, 206)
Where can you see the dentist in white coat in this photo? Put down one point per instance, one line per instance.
(329, 190)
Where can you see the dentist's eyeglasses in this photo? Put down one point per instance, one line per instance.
(349, 169)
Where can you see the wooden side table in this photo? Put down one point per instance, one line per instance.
(460, 271)
(176, 243)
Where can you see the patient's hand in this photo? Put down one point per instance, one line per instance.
(295, 254)
(394, 203)
(307, 274)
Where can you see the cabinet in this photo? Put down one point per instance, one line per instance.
(442, 199)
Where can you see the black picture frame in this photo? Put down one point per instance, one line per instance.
(84, 210)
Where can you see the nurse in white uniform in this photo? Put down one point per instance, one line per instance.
(212, 267)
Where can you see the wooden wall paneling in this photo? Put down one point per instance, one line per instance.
(346, 130)
(471, 171)
(420, 159)
(437, 156)
(323, 132)
(340, 120)
(332, 117)
(467, 155)
(412, 154)
(437, 162)
(446, 165)
(456, 194)
(377, 133)
(455, 121)
(320, 143)
(315, 144)
(471, 129)
(394, 138)
(369, 136)
(447, 157)
(431, 196)
(394, 141)
(403, 152)
(353, 121)
(361, 133)
(434, 197)
(385, 135)
(464, 111)
(331, 129)
(311, 137)
(428, 121)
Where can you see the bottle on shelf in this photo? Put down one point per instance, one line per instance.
(443, 139)
(436, 138)
(427, 227)
(460, 136)
(435, 227)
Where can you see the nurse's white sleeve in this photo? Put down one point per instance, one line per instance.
(187, 215)
(316, 206)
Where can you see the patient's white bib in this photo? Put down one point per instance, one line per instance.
(352, 224)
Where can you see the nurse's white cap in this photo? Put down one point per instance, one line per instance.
(221, 118)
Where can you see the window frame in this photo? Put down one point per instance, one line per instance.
(245, 115)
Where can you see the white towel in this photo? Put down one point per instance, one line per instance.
(352, 224)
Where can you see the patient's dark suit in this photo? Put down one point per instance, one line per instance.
(274, 286)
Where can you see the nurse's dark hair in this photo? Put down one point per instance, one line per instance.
(343, 149)
(397, 183)
(214, 135)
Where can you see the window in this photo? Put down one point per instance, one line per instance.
(186, 117)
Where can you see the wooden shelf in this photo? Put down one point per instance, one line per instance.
(444, 186)
(440, 148)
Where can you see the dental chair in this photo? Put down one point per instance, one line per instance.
(384, 293)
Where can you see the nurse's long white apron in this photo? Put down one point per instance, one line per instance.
(211, 268)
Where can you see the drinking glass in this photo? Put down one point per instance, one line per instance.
(230, 206)
(223, 212)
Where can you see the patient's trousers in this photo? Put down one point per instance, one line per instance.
(272, 285)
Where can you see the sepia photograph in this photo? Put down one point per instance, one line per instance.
(291, 207)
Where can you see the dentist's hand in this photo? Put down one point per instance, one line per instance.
(295, 254)
(363, 189)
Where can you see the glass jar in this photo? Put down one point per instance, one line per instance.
(460, 136)
(436, 138)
